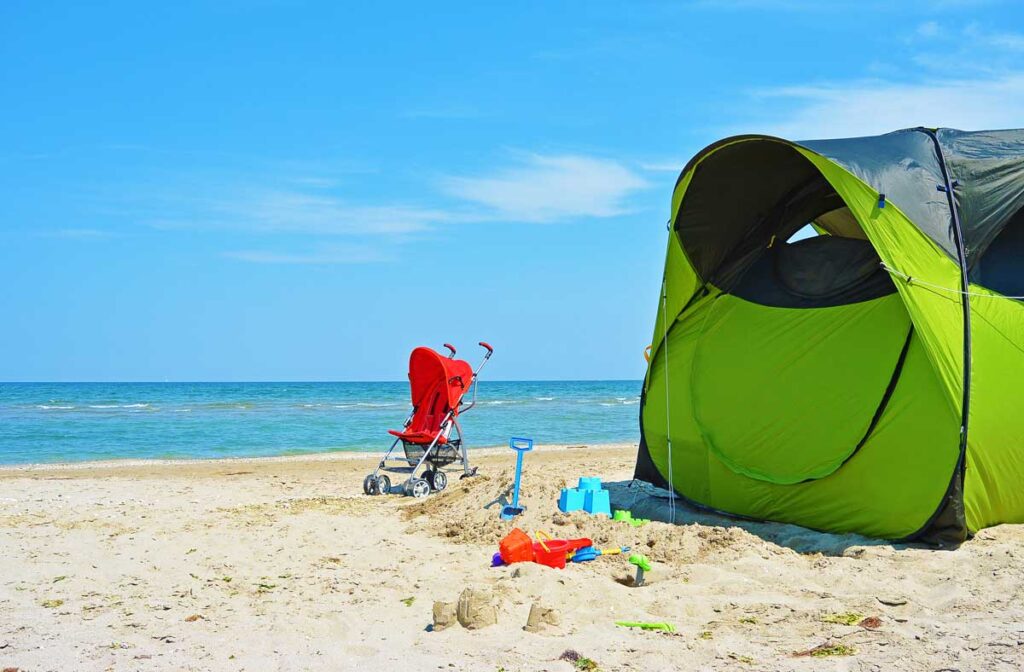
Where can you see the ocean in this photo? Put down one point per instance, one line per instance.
(76, 422)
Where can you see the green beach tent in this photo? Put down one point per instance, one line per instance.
(866, 378)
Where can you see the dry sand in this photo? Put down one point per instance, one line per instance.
(283, 564)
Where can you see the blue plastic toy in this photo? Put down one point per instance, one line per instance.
(521, 446)
(571, 499)
(589, 497)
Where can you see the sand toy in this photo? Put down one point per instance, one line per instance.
(642, 565)
(521, 446)
(663, 627)
(588, 496)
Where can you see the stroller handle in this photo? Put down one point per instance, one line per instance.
(451, 350)
(471, 404)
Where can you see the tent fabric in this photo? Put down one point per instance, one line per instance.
(844, 382)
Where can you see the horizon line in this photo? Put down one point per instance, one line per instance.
(296, 382)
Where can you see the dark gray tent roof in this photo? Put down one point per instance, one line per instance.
(990, 168)
(907, 166)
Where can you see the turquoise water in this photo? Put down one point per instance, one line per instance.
(73, 422)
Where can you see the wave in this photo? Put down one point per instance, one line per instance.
(226, 406)
(618, 401)
(354, 405)
(107, 406)
(47, 407)
(544, 398)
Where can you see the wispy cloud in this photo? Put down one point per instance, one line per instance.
(297, 220)
(664, 166)
(972, 40)
(872, 107)
(929, 29)
(325, 255)
(550, 188)
(782, 5)
(271, 210)
(993, 39)
(838, 5)
(453, 111)
(303, 219)
(79, 234)
(299, 212)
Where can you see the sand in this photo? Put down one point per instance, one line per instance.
(283, 564)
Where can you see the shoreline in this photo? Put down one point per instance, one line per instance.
(327, 456)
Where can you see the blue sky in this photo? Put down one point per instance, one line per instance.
(304, 191)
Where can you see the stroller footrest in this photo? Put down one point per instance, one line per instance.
(399, 470)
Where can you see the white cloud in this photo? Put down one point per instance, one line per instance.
(839, 5)
(873, 107)
(550, 188)
(666, 166)
(769, 5)
(262, 210)
(448, 110)
(321, 256)
(80, 234)
(998, 40)
(301, 220)
(929, 29)
(293, 211)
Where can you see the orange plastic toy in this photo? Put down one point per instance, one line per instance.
(516, 547)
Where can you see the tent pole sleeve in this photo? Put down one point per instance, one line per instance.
(965, 298)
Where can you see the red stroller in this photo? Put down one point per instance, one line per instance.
(438, 385)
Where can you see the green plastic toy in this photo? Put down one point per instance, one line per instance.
(626, 516)
(663, 627)
(642, 565)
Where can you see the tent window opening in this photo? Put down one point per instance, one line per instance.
(750, 221)
(999, 268)
(807, 231)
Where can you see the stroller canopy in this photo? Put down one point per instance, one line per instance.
(431, 372)
(437, 384)
(860, 379)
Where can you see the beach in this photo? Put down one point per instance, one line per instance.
(284, 564)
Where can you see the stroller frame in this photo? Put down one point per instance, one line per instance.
(436, 455)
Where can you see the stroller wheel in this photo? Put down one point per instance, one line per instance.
(438, 480)
(383, 485)
(370, 485)
(419, 488)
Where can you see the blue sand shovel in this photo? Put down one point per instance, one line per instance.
(520, 446)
